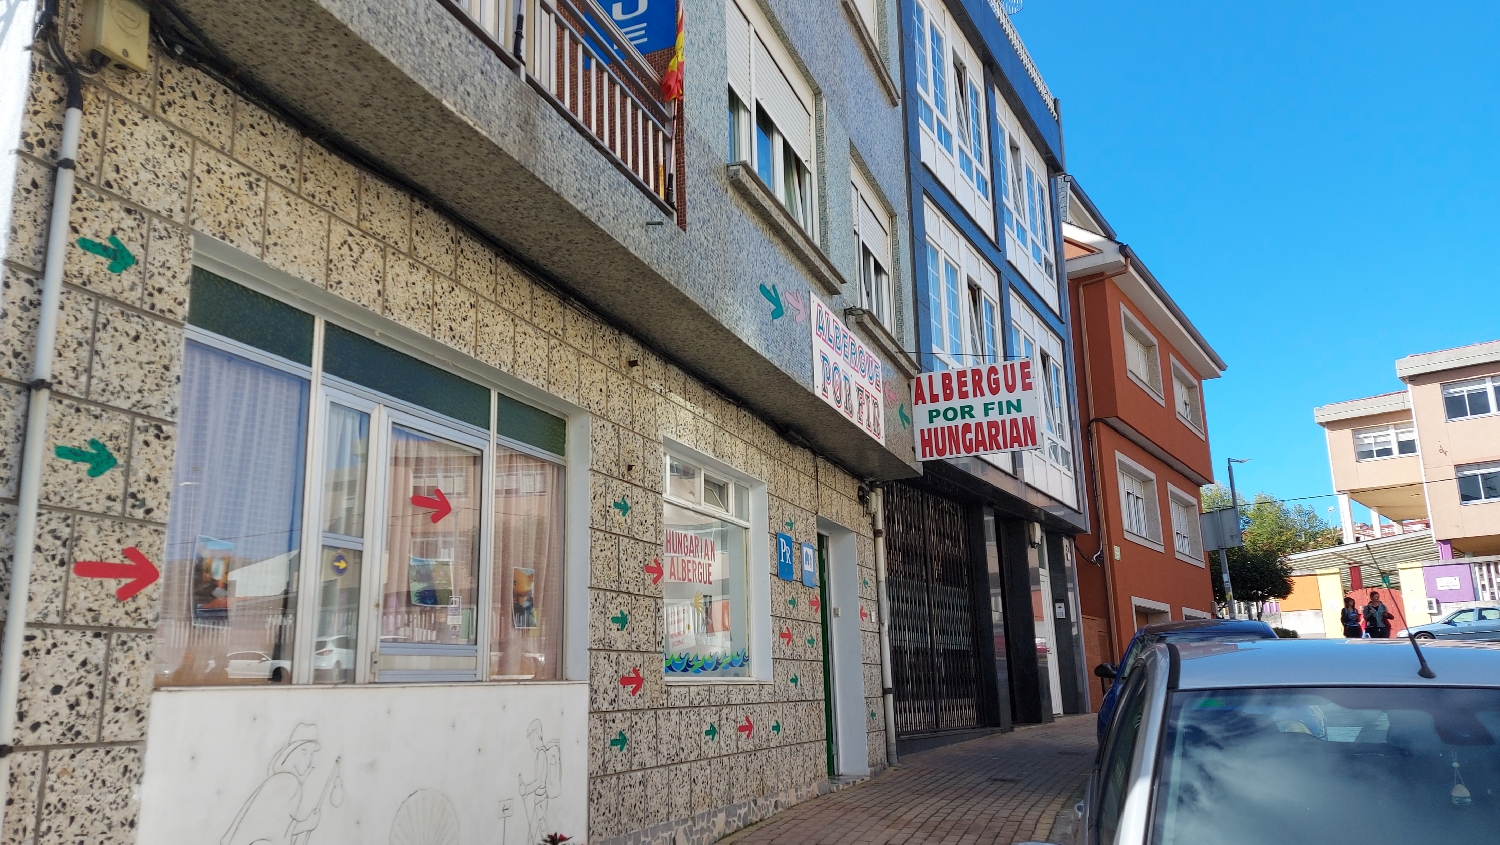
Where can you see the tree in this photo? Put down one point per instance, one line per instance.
(1272, 530)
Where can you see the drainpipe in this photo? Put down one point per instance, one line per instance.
(887, 688)
(36, 433)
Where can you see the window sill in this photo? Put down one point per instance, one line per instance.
(1198, 562)
(1193, 427)
(1384, 458)
(1146, 386)
(872, 52)
(743, 177)
(876, 332)
(1144, 541)
(701, 682)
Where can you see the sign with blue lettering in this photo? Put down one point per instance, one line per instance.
(650, 25)
(809, 565)
(786, 557)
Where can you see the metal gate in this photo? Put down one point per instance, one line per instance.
(930, 576)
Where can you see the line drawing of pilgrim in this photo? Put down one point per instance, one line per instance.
(538, 793)
(270, 815)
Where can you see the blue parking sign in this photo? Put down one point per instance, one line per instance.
(786, 557)
(809, 565)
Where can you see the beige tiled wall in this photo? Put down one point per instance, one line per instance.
(170, 152)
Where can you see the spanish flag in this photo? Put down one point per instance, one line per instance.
(671, 83)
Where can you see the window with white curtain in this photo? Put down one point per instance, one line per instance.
(1187, 397)
(1187, 542)
(1142, 354)
(1026, 214)
(1139, 509)
(951, 114)
(770, 112)
(872, 242)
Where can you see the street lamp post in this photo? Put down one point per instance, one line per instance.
(1234, 502)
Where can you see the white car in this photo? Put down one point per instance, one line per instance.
(334, 654)
(1301, 742)
(257, 665)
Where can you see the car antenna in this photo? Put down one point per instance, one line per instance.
(1425, 671)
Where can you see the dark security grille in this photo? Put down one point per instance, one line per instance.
(934, 658)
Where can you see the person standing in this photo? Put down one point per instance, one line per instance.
(1377, 618)
(1349, 617)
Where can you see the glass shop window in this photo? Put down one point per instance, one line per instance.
(706, 612)
(390, 460)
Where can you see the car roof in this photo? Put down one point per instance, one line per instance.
(1335, 663)
(1219, 626)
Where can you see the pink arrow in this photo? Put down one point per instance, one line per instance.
(798, 306)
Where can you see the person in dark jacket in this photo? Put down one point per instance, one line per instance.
(1377, 618)
(1349, 617)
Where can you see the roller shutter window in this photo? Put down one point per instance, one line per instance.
(775, 94)
(738, 37)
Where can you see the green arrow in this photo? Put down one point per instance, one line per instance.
(712, 732)
(864, 582)
(773, 296)
(619, 741)
(119, 257)
(623, 506)
(812, 641)
(776, 728)
(872, 714)
(792, 602)
(620, 619)
(905, 420)
(794, 680)
(790, 524)
(97, 456)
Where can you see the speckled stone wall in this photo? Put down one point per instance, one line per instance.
(170, 152)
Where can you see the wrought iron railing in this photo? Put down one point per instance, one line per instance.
(575, 57)
(1031, 69)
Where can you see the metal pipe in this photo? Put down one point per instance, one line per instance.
(887, 688)
(36, 432)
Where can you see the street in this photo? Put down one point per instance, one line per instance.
(1001, 788)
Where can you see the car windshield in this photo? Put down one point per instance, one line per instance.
(1409, 765)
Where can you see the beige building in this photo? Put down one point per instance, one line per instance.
(1432, 450)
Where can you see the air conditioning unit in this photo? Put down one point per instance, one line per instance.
(1432, 606)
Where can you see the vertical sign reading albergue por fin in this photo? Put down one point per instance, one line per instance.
(976, 411)
(846, 374)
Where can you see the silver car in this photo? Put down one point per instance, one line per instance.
(1304, 742)
(1471, 623)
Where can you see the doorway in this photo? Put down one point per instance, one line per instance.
(843, 664)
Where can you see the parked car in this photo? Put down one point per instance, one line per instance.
(333, 654)
(1185, 631)
(1471, 623)
(257, 665)
(1305, 742)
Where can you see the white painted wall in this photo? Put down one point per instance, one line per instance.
(1307, 623)
(438, 764)
(844, 644)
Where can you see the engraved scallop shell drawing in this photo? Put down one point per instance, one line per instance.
(426, 817)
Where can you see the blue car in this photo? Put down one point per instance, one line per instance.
(1186, 631)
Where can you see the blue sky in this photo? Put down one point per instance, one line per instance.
(1315, 183)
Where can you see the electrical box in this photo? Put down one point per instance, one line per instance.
(118, 29)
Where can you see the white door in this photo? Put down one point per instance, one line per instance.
(1049, 632)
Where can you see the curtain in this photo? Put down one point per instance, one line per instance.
(526, 633)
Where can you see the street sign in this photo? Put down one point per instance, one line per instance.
(976, 411)
(1221, 529)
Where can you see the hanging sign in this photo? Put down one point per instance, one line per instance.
(976, 411)
(846, 374)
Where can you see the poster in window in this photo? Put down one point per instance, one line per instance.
(523, 597)
(430, 581)
(211, 560)
(718, 617)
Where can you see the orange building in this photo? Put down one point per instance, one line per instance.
(1140, 368)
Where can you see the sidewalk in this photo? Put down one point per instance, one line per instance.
(998, 789)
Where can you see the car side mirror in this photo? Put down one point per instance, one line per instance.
(1104, 670)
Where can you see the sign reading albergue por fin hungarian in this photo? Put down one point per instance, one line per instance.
(846, 374)
(976, 411)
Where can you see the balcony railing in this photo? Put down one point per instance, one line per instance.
(577, 58)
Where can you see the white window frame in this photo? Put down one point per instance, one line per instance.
(1050, 468)
(1025, 208)
(753, 102)
(1134, 329)
(951, 326)
(1490, 385)
(325, 389)
(873, 224)
(1182, 498)
(1181, 375)
(953, 124)
(1477, 469)
(1150, 505)
(1193, 613)
(1394, 431)
(757, 558)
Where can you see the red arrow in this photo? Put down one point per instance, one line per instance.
(864, 615)
(814, 603)
(747, 729)
(786, 636)
(437, 501)
(633, 680)
(140, 572)
(654, 570)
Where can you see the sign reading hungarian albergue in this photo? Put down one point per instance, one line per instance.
(846, 374)
(975, 411)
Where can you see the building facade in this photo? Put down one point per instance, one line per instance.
(445, 430)
(1428, 457)
(985, 628)
(1141, 369)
